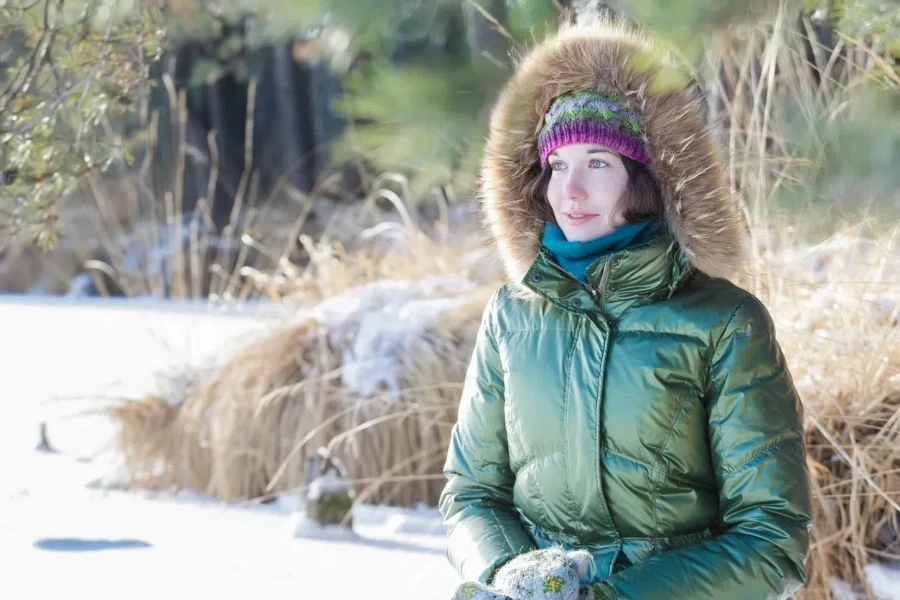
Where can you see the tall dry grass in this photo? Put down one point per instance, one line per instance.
(837, 311)
(245, 434)
(832, 287)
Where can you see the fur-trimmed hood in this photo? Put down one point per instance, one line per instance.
(701, 212)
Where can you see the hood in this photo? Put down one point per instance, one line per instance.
(702, 214)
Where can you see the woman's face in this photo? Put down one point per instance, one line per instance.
(586, 183)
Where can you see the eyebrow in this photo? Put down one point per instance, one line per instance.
(591, 151)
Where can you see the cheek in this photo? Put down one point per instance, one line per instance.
(610, 185)
(554, 193)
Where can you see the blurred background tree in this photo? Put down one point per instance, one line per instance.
(68, 70)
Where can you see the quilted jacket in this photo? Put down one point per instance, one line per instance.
(647, 415)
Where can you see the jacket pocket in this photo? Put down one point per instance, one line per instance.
(638, 550)
(683, 540)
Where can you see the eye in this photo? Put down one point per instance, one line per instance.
(553, 166)
(601, 164)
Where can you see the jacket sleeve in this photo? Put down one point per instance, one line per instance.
(759, 456)
(483, 529)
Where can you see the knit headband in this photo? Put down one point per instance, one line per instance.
(587, 117)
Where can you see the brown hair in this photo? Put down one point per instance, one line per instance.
(642, 197)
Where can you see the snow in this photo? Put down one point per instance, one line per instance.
(382, 319)
(305, 527)
(326, 484)
(63, 530)
(67, 536)
(63, 357)
(883, 579)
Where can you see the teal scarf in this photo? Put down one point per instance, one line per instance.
(576, 257)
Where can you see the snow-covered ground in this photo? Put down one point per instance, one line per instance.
(62, 533)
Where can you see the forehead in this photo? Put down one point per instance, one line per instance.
(578, 149)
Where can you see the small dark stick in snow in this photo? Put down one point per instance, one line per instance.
(44, 444)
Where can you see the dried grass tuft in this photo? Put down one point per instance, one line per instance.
(245, 434)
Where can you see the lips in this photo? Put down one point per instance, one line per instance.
(576, 218)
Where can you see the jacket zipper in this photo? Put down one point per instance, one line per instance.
(595, 292)
(604, 277)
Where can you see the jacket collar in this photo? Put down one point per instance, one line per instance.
(633, 276)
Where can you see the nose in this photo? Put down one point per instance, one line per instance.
(573, 188)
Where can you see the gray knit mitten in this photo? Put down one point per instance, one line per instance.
(473, 590)
(548, 574)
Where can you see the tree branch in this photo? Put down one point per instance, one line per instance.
(48, 36)
(90, 78)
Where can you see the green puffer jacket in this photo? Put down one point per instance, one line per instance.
(648, 417)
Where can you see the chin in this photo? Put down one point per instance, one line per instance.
(579, 234)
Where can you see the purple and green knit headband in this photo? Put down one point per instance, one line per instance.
(585, 117)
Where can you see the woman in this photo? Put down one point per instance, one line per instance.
(629, 428)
